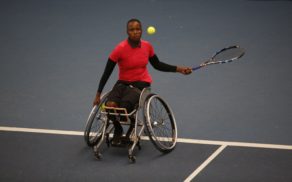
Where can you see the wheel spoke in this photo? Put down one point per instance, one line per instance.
(95, 125)
(161, 126)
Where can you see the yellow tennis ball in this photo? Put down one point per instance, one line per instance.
(151, 30)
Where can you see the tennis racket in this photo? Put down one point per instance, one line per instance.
(225, 55)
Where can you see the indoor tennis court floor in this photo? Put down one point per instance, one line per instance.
(234, 120)
(46, 155)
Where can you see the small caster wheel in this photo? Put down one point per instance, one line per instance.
(132, 158)
(97, 155)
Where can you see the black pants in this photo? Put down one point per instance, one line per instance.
(127, 94)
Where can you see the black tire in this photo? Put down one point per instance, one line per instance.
(160, 123)
(94, 124)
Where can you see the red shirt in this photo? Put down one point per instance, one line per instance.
(133, 62)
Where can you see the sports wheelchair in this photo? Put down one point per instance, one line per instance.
(152, 113)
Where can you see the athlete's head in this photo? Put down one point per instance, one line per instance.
(134, 30)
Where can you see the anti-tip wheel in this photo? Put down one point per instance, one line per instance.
(97, 155)
(132, 159)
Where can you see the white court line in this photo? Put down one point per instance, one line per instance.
(181, 140)
(38, 130)
(205, 163)
(235, 144)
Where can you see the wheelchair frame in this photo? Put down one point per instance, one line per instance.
(145, 117)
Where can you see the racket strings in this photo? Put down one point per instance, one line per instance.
(225, 55)
(228, 55)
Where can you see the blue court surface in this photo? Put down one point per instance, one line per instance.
(234, 120)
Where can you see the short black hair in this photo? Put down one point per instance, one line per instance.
(133, 20)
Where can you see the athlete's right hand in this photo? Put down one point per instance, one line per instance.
(97, 99)
(184, 70)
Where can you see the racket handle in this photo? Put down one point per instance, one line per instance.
(196, 68)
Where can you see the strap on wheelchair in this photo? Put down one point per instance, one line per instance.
(117, 111)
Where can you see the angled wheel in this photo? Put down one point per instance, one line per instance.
(160, 123)
(95, 124)
(132, 158)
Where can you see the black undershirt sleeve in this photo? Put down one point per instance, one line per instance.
(110, 65)
(154, 61)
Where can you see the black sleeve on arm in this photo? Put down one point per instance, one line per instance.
(160, 65)
(110, 65)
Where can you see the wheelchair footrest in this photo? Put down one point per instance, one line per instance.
(123, 142)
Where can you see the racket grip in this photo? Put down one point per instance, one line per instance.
(196, 68)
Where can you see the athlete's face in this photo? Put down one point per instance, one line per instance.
(134, 30)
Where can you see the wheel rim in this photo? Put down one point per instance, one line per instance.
(161, 123)
(94, 125)
(96, 129)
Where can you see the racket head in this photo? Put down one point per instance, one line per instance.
(227, 54)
